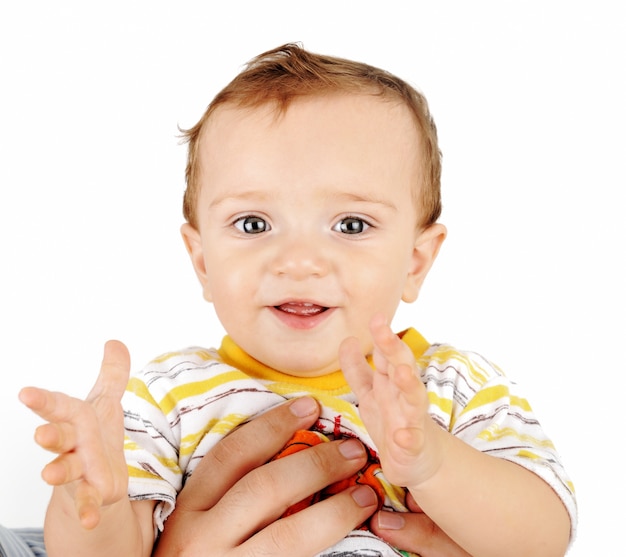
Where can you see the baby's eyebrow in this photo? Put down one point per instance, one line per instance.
(250, 195)
(365, 198)
(263, 195)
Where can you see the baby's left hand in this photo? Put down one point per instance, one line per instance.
(394, 406)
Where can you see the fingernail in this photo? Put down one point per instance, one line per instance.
(390, 521)
(351, 449)
(364, 496)
(303, 407)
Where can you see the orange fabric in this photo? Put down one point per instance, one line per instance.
(304, 439)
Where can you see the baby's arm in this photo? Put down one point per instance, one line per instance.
(89, 512)
(488, 505)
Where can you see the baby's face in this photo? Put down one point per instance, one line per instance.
(307, 225)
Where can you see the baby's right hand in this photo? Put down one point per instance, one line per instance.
(88, 436)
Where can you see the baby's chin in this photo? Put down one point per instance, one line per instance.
(306, 369)
(302, 355)
(288, 359)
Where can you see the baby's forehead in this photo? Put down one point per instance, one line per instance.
(245, 115)
(230, 113)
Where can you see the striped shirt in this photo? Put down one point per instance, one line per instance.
(183, 403)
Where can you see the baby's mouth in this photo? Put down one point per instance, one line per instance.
(302, 309)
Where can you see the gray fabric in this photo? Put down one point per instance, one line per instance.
(21, 542)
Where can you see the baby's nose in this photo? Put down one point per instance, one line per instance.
(300, 259)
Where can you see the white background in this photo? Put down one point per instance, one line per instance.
(529, 101)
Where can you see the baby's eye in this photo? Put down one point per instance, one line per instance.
(252, 225)
(351, 225)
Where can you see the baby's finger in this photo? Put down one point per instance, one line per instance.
(56, 437)
(64, 469)
(88, 502)
(355, 368)
(33, 397)
(51, 406)
(407, 382)
(389, 348)
(381, 334)
(114, 372)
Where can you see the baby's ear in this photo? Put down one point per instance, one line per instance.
(427, 245)
(193, 243)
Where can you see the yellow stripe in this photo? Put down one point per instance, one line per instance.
(130, 445)
(492, 394)
(444, 404)
(173, 397)
(141, 473)
(446, 354)
(494, 433)
(170, 463)
(139, 388)
(525, 453)
(221, 426)
(397, 495)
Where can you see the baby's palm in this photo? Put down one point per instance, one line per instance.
(393, 405)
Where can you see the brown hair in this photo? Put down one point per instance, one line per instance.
(288, 72)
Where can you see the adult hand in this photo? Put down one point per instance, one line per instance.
(415, 532)
(232, 503)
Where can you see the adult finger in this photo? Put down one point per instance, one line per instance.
(245, 449)
(265, 493)
(415, 533)
(230, 533)
(333, 518)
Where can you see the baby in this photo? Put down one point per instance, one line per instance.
(312, 207)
